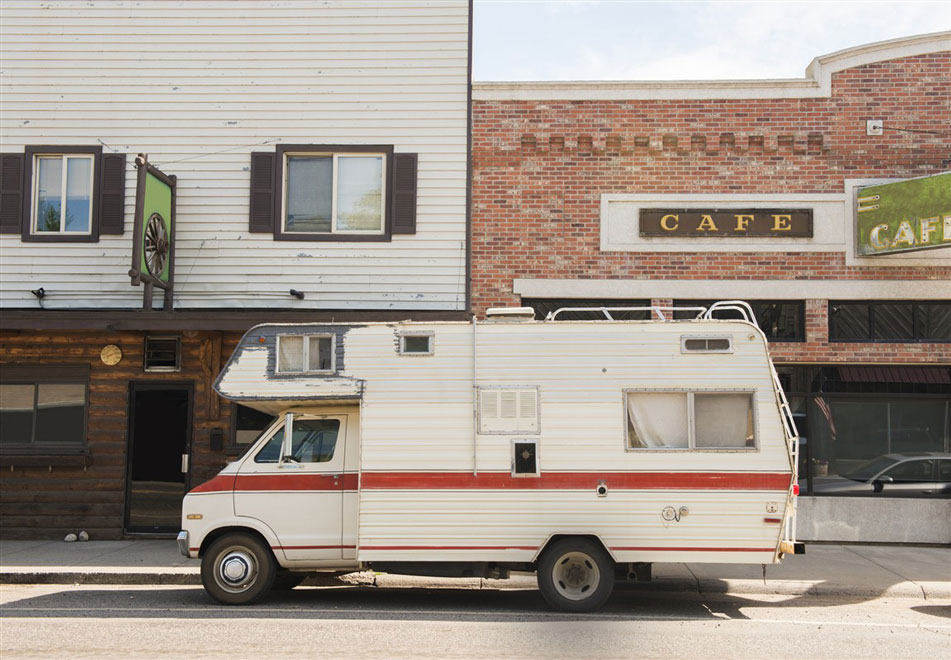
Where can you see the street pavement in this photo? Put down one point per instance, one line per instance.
(181, 621)
(864, 571)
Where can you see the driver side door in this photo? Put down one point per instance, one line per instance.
(296, 487)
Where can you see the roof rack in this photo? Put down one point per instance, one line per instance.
(658, 310)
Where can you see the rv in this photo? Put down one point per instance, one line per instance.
(581, 450)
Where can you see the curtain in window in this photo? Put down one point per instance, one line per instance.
(657, 420)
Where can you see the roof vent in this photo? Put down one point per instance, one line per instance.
(510, 314)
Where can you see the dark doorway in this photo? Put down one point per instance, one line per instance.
(160, 424)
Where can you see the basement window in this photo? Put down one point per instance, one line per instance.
(163, 354)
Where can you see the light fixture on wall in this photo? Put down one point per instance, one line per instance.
(297, 294)
(39, 293)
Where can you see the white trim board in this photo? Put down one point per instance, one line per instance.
(736, 289)
(817, 82)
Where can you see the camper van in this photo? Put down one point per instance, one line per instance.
(581, 450)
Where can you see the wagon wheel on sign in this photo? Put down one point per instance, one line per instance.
(156, 245)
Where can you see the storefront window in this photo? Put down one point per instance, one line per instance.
(890, 321)
(864, 429)
(781, 320)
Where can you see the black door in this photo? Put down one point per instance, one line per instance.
(160, 423)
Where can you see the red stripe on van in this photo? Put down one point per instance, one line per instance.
(253, 482)
(217, 484)
(579, 480)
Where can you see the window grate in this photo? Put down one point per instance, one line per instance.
(163, 353)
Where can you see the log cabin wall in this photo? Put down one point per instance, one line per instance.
(48, 496)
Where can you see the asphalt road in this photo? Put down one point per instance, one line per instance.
(164, 622)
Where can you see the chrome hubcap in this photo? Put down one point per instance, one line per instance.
(237, 570)
(576, 575)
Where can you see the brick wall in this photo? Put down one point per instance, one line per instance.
(540, 168)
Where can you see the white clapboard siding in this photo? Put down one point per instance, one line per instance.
(199, 86)
(416, 416)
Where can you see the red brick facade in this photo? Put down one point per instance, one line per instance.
(540, 168)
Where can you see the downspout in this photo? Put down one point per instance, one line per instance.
(475, 405)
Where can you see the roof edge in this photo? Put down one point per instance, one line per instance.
(816, 83)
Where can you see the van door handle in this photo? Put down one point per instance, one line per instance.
(184, 463)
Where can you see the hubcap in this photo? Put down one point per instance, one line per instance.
(237, 569)
(576, 575)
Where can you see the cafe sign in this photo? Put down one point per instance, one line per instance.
(725, 223)
(904, 216)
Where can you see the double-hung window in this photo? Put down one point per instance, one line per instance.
(334, 193)
(62, 194)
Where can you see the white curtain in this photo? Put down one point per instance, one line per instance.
(723, 420)
(657, 419)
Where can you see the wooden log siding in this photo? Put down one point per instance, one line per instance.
(50, 501)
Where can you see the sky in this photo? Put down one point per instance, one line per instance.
(681, 40)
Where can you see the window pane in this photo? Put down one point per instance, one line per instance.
(78, 194)
(49, 193)
(16, 414)
(60, 413)
(359, 193)
(917, 425)
(912, 472)
(892, 322)
(309, 194)
(315, 439)
(319, 354)
(723, 420)
(657, 420)
(416, 344)
(848, 322)
(291, 356)
(249, 423)
(934, 321)
(271, 451)
(780, 321)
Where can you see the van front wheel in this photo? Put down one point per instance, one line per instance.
(237, 569)
(575, 575)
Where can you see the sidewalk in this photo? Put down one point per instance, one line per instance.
(864, 571)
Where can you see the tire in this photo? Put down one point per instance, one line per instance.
(237, 569)
(575, 575)
(285, 580)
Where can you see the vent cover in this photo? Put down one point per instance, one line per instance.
(508, 410)
(706, 344)
(163, 353)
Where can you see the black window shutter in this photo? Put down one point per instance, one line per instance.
(11, 193)
(404, 193)
(112, 194)
(262, 192)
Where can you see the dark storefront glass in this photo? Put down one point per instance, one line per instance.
(906, 321)
(782, 320)
(864, 429)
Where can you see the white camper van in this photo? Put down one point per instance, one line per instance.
(583, 450)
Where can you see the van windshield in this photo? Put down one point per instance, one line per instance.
(314, 441)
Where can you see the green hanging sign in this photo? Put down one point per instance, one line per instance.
(904, 216)
(153, 237)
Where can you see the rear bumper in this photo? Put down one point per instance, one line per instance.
(182, 540)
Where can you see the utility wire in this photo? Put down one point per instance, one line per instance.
(915, 130)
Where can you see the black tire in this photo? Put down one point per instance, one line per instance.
(237, 569)
(575, 575)
(285, 580)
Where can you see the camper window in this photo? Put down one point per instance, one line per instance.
(314, 441)
(689, 420)
(300, 353)
(416, 344)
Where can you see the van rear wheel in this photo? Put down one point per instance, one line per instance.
(575, 575)
(237, 569)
